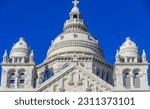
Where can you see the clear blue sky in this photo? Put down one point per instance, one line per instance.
(40, 21)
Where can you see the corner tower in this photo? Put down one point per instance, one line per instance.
(18, 69)
(131, 69)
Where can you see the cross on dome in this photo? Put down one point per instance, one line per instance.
(75, 2)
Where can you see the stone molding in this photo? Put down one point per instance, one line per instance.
(74, 43)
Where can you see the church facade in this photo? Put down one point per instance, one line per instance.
(74, 63)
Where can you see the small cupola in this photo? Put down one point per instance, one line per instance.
(75, 12)
(75, 23)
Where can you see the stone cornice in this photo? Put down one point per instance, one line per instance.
(18, 64)
(70, 43)
(131, 64)
(80, 59)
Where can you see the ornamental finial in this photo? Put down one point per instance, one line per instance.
(75, 2)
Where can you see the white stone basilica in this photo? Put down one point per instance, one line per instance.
(75, 63)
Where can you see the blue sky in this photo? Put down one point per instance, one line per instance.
(40, 21)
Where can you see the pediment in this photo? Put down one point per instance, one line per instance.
(75, 79)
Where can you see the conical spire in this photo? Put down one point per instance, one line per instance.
(117, 53)
(32, 57)
(117, 56)
(5, 57)
(144, 54)
(5, 54)
(144, 57)
(32, 53)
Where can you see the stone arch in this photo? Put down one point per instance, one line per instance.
(126, 78)
(11, 70)
(21, 78)
(11, 76)
(136, 78)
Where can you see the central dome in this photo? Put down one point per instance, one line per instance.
(75, 43)
(75, 39)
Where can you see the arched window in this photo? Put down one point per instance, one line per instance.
(46, 75)
(21, 78)
(136, 78)
(75, 16)
(126, 80)
(11, 80)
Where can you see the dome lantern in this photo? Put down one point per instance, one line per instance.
(75, 23)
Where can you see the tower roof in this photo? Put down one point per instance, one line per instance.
(20, 49)
(129, 49)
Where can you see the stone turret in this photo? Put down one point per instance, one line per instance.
(144, 57)
(18, 69)
(5, 57)
(130, 72)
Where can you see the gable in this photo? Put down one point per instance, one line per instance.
(75, 79)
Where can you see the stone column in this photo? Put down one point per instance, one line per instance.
(119, 81)
(131, 59)
(16, 80)
(136, 60)
(126, 59)
(4, 80)
(131, 79)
